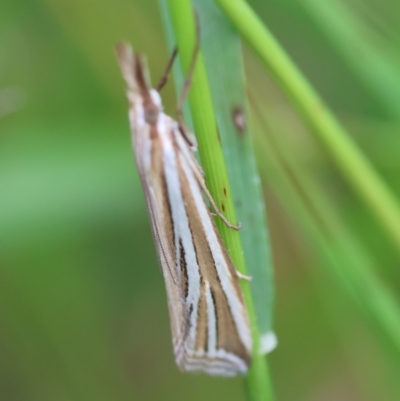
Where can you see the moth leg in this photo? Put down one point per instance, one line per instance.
(243, 276)
(214, 206)
(200, 179)
(218, 213)
(188, 136)
(164, 79)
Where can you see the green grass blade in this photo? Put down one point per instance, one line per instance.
(355, 168)
(342, 253)
(222, 48)
(370, 59)
(179, 14)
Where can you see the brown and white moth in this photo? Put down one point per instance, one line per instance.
(209, 320)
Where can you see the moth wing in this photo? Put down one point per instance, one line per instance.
(171, 277)
(149, 158)
(149, 146)
(219, 339)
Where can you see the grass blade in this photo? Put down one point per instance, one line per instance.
(221, 48)
(376, 68)
(179, 14)
(348, 262)
(355, 168)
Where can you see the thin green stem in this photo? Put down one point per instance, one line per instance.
(181, 14)
(350, 264)
(355, 168)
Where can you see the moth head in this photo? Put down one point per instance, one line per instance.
(135, 72)
(125, 57)
(153, 107)
(134, 69)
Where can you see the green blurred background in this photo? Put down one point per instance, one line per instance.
(83, 313)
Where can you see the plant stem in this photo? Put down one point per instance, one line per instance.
(182, 17)
(355, 168)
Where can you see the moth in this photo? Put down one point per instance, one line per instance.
(209, 321)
